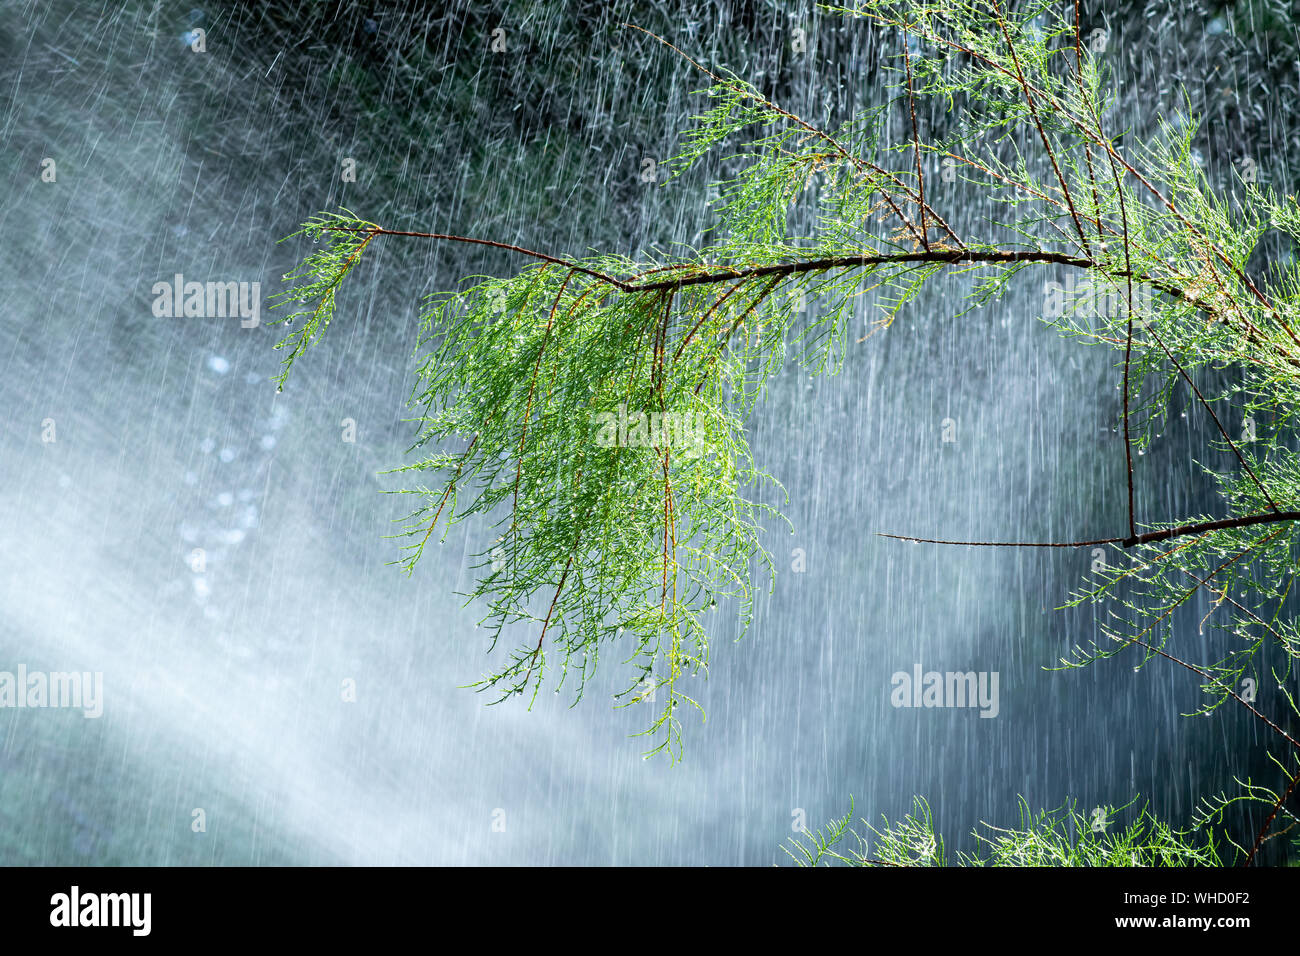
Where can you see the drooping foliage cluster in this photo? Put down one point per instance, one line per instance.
(592, 411)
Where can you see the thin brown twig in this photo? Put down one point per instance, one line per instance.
(564, 577)
(835, 144)
(713, 275)
(533, 253)
(686, 340)
(916, 144)
(1128, 352)
(1201, 672)
(547, 623)
(1087, 147)
(1268, 821)
(532, 385)
(447, 491)
(1109, 148)
(1038, 124)
(766, 291)
(1144, 538)
(1218, 424)
(1100, 140)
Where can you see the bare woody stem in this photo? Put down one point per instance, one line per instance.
(1210, 678)
(1268, 822)
(916, 144)
(1038, 124)
(1147, 537)
(711, 275)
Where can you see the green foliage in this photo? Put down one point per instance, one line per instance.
(606, 532)
(1063, 837)
(318, 279)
